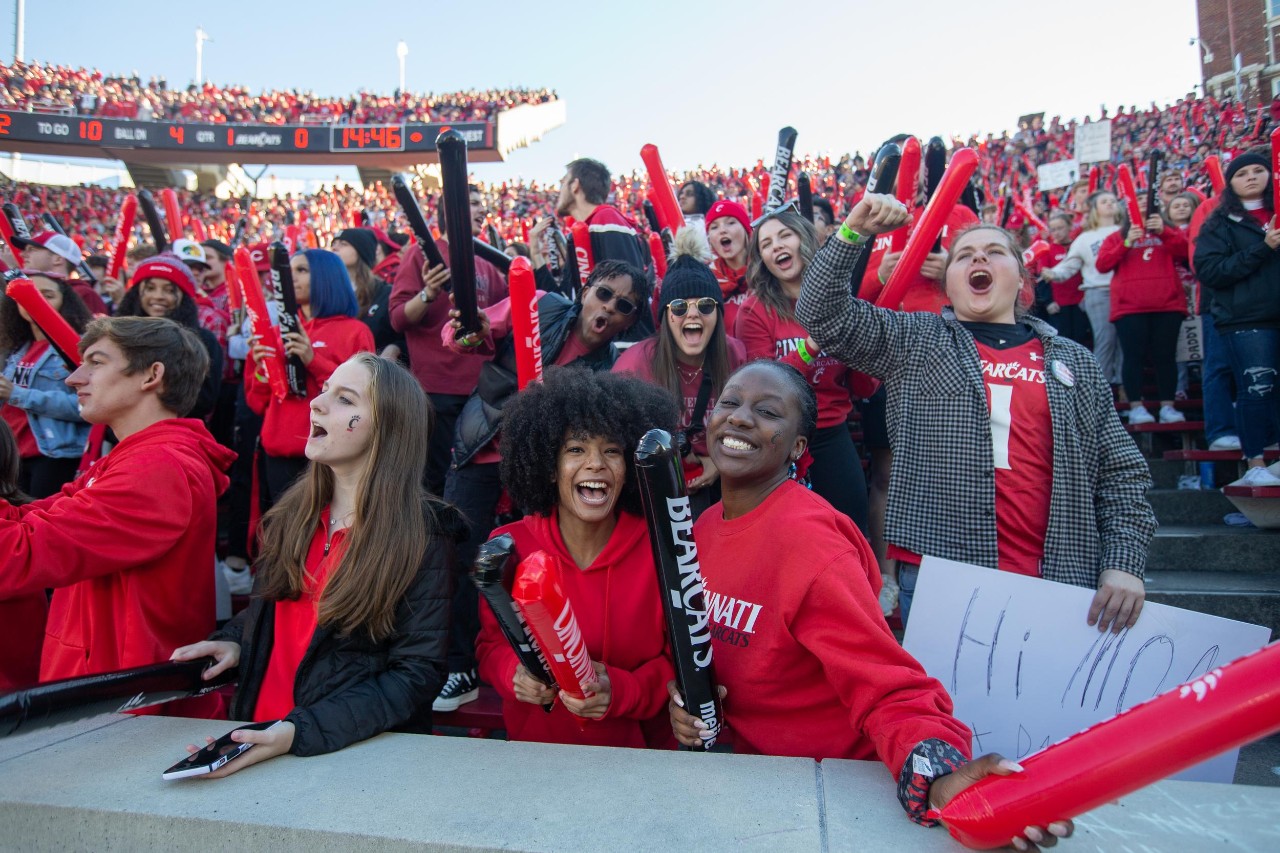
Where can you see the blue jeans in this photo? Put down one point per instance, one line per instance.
(1215, 384)
(907, 576)
(1255, 361)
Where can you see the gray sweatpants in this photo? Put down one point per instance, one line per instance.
(1106, 349)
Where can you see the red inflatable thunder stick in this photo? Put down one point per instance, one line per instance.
(1275, 161)
(550, 618)
(1128, 194)
(658, 252)
(172, 212)
(524, 323)
(660, 192)
(1217, 180)
(235, 296)
(255, 304)
(197, 231)
(120, 242)
(1035, 252)
(1222, 709)
(963, 164)
(456, 202)
(670, 518)
(1094, 175)
(1030, 216)
(582, 250)
(493, 574)
(63, 338)
(905, 187)
(780, 169)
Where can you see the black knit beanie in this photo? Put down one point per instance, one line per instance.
(363, 241)
(1246, 159)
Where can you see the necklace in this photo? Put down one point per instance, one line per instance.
(333, 522)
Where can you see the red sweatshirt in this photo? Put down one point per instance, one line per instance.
(1145, 279)
(438, 369)
(288, 422)
(810, 665)
(616, 603)
(128, 548)
(1066, 292)
(766, 335)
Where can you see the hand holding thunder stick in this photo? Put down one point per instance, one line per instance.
(272, 365)
(493, 573)
(457, 219)
(554, 627)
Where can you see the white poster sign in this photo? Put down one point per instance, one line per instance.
(1051, 176)
(1093, 142)
(1025, 671)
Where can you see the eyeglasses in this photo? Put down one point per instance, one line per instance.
(679, 307)
(606, 295)
(793, 206)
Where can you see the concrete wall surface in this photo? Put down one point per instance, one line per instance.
(95, 785)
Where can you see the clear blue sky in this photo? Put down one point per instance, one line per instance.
(706, 81)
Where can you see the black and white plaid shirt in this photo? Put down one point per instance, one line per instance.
(942, 494)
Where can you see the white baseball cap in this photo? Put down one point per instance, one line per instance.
(190, 252)
(60, 244)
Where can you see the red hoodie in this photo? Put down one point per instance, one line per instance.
(128, 548)
(288, 422)
(799, 640)
(1145, 279)
(615, 600)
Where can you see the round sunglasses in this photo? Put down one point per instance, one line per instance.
(679, 307)
(624, 305)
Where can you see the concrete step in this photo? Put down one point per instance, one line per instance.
(1214, 549)
(1189, 506)
(1245, 596)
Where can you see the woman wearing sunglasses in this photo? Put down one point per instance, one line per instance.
(691, 355)
(782, 244)
(578, 332)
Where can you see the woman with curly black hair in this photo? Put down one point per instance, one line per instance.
(37, 404)
(568, 446)
(164, 287)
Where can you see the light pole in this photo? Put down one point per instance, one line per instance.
(402, 50)
(19, 24)
(201, 38)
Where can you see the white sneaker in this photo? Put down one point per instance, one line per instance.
(1140, 415)
(888, 596)
(239, 581)
(1226, 442)
(1170, 415)
(1258, 477)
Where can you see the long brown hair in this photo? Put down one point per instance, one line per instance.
(761, 282)
(366, 286)
(393, 524)
(715, 359)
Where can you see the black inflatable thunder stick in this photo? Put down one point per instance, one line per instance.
(154, 224)
(295, 372)
(493, 573)
(457, 220)
(804, 194)
(67, 699)
(884, 171)
(670, 519)
(417, 222)
(780, 169)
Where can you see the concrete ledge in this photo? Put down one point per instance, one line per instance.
(96, 785)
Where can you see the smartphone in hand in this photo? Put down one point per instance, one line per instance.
(215, 754)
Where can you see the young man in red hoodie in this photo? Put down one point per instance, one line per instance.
(128, 546)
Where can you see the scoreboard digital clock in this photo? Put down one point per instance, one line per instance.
(111, 133)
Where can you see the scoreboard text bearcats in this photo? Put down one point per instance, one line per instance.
(193, 136)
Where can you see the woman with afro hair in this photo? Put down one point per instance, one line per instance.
(568, 446)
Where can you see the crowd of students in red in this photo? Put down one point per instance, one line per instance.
(44, 87)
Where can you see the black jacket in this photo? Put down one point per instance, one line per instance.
(481, 415)
(1241, 271)
(351, 688)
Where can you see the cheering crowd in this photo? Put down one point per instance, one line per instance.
(43, 87)
(357, 498)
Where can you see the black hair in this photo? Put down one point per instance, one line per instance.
(594, 178)
(185, 314)
(703, 197)
(16, 332)
(805, 395)
(641, 287)
(576, 401)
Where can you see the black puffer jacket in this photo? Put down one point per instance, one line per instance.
(481, 415)
(351, 688)
(1241, 272)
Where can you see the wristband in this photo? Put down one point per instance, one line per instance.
(1127, 244)
(848, 234)
(804, 352)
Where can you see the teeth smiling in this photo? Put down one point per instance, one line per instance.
(593, 484)
(736, 444)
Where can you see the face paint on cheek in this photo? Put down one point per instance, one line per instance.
(351, 424)
(777, 436)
